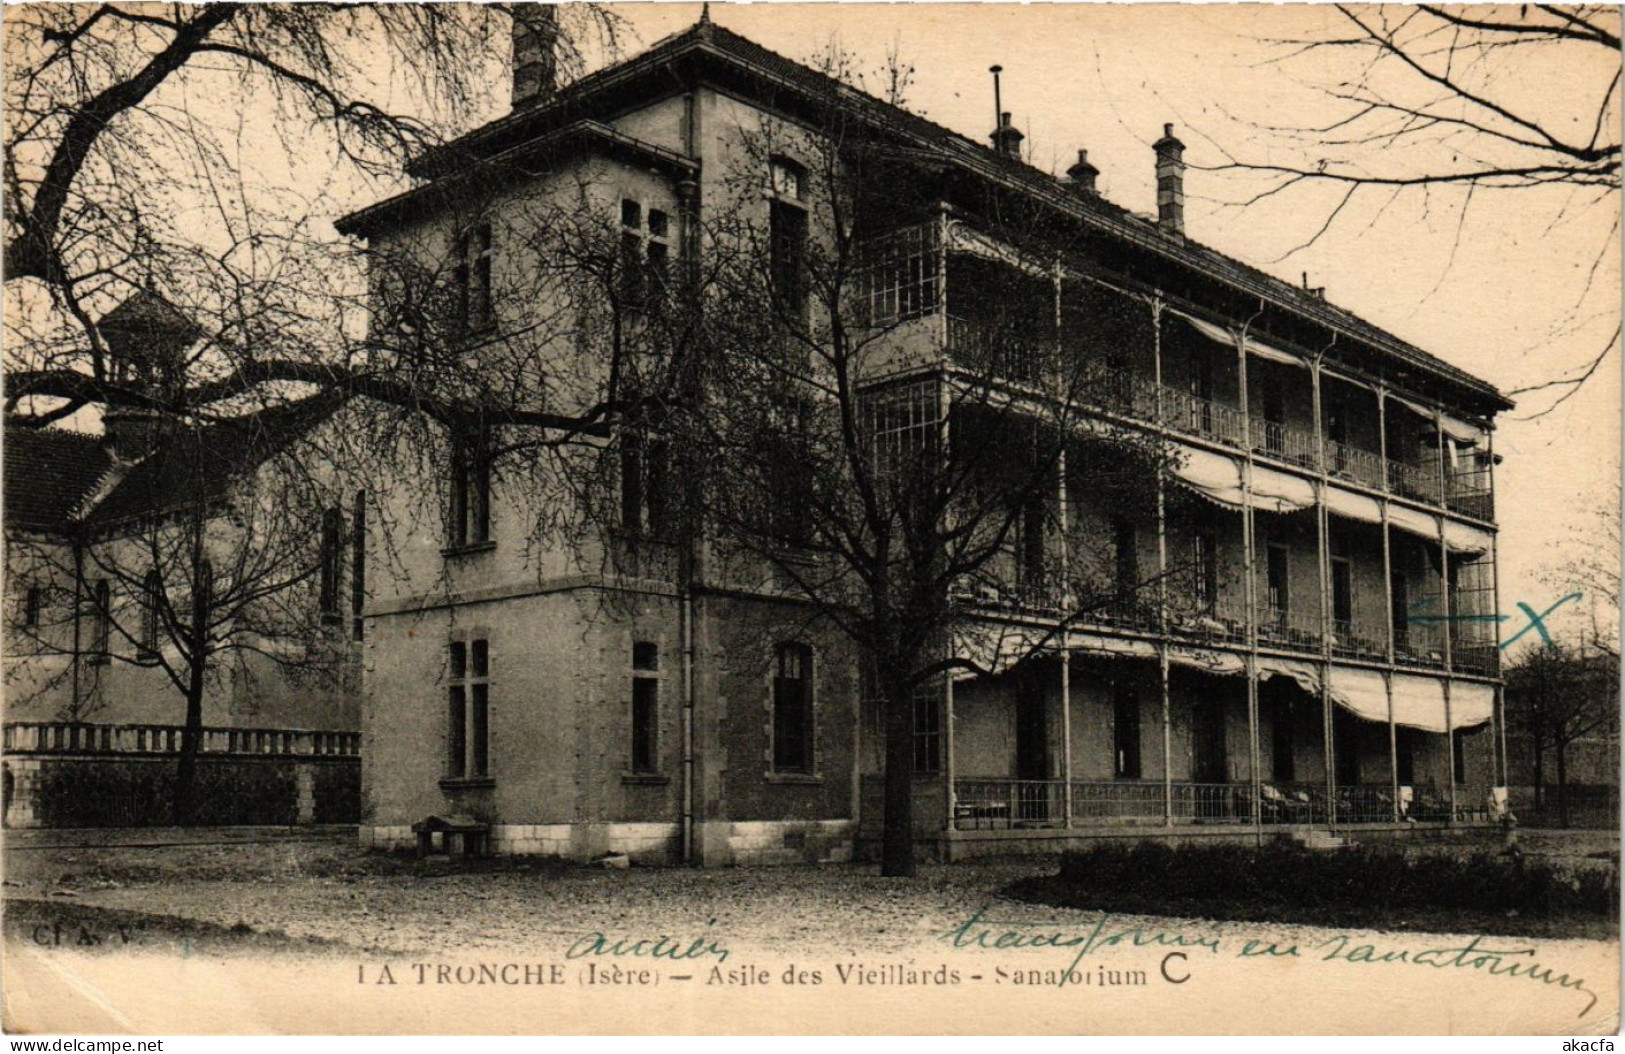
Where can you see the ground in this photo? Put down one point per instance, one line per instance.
(325, 891)
(322, 901)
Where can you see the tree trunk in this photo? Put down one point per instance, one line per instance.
(897, 838)
(1563, 785)
(185, 804)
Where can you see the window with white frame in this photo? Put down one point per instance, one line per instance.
(645, 708)
(793, 709)
(468, 712)
(645, 256)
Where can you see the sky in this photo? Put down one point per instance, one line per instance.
(1520, 289)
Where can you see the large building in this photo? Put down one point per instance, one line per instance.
(166, 547)
(1303, 633)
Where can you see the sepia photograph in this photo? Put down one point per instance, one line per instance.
(811, 519)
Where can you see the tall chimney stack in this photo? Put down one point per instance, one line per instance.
(1170, 181)
(1007, 138)
(1083, 174)
(535, 60)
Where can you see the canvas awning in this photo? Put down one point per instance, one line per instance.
(1217, 334)
(1221, 663)
(1465, 540)
(1360, 692)
(1463, 432)
(1408, 519)
(1278, 492)
(1307, 674)
(1352, 506)
(1419, 702)
(1265, 351)
(997, 647)
(1415, 408)
(1213, 476)
(1471, 704)
(1116, 647)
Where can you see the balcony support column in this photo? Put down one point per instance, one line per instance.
(1323, 566)
(1393, 744)
(1249, 539)
(1450, 750)
(949, 793)
(1503, 773)
(1066, 636)
(1162, 574)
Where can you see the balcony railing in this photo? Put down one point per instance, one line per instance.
(1206, 418)
(1469, 493)
(1359, 639)
(1283, 442)
(1418, 482)
(1000, 803)
(1354, 464)
(1473, 654)
(1000, 351)
(66, 737)
(1285, 628)
(1419, 643)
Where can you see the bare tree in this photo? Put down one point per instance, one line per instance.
(1465, 102)
(218, 557)
(1557, 695)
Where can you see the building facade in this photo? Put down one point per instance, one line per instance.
(1300, 630)
(118, 546)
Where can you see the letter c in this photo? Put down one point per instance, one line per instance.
(1170, 977)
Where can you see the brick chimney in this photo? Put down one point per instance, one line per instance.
(1170, 181)
(1007, 138)
(535, 60)
(1082, 175)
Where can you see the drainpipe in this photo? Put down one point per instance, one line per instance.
(688, 194)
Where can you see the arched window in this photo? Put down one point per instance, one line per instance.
(792, 709)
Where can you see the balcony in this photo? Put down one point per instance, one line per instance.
(1417, 482)
(1282, 442)
(1468, 492)
(1359, 639)
(1354, 464)
(1206, 418)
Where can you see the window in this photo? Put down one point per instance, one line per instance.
(1126, 734)
(645, 708)
(33, 603)
(1205, 564)
(792, 709)
(789, 472)
(1342, 592)
(1033, 540)
(1400, 588)
(1282, 767)
(152, 603)
(643, 483)
(473, 277)
(358, 565)
(1458, 760)
(331, 563)
(645, 256)
(1346, 749)
(1405, 762)
(787, 238)
(101, 616)
(470, 493)
(469, 711)
(928, 729)
(1276, 566)
(1127, 560)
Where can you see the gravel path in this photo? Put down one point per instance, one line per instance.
(331, 891)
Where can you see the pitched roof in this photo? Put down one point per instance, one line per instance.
(201, 463)
(48, 473)
(705, 38)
